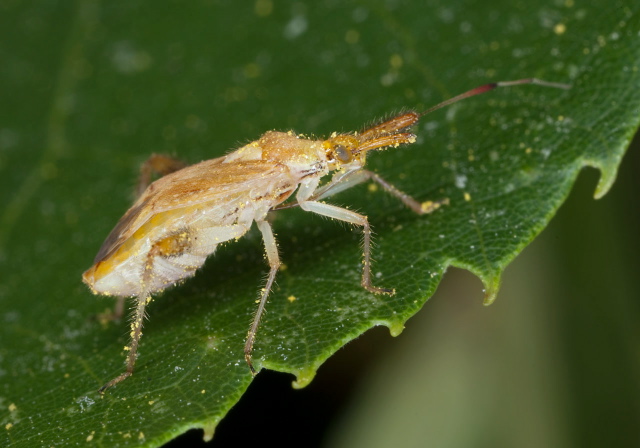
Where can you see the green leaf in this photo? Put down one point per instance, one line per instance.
(91, 89)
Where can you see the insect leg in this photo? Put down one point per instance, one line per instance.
(115, 315)
(118, 309)
(271, 248)
(158, 164)
(171, 245)
(132, 348)
(349, 216)
(344, 181)
(339, 182)
(420, 208)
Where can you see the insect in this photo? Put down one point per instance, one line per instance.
(180, 219)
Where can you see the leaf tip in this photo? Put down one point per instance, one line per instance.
(209, 429)
(303, 378)
(396, 328)
(607, 178)
(608, 174)
(491, 288)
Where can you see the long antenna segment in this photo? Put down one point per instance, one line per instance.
(494, 85)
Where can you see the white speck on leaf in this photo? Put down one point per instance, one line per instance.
(296, 27)
(461, 181)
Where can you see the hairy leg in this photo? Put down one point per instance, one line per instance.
(271, 248)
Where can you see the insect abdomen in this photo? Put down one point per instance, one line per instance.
(156, 257)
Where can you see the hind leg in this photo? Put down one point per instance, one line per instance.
(156, 164)
(112, 315)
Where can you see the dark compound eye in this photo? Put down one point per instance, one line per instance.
(342, 153)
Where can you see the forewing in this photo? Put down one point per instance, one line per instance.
(209, 181)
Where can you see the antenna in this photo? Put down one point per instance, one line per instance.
(494, 85)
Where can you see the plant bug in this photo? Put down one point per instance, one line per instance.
(179, 220)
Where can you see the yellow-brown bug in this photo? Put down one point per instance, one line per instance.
(180, 219)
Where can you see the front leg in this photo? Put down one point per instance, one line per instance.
(344, 181)
(342, 214)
